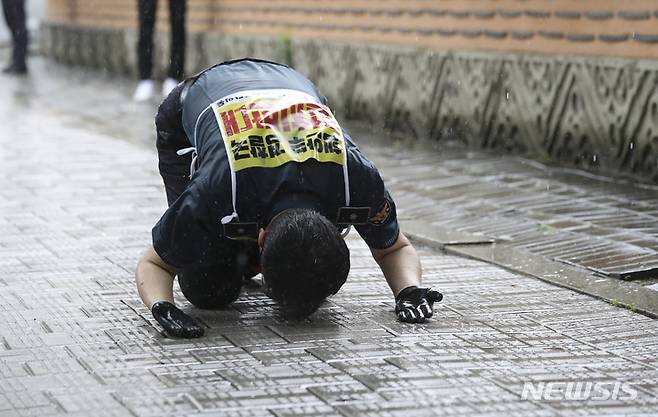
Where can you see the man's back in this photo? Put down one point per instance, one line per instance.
(266, 142)
(233, 77)
(271, 159)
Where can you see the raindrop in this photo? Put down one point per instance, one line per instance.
(631, 145)
(594, 158)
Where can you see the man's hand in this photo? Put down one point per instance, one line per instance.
(414, 305)
(174, 321)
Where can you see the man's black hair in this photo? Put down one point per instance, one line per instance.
(304, 260)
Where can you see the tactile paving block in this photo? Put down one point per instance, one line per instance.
(349, 392)
(282, 356)
(221, 355)
(398, 409)
(288, 375)
(369, 366)
(324, 331)
(72, 402)
(189, 375)
(483, 393)
(254, 336)
(152, 402)
(299, 411)
(382, 348)
(244, 399)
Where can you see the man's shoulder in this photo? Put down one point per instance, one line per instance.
(243, 62)
(360, 165)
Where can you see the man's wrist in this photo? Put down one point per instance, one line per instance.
(161, 304)
(406, 290)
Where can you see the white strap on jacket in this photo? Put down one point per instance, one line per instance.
(234, 195)
(185, 151)
(346, 180)
(192, 149)
(234, 215)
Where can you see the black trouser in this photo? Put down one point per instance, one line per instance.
(14, 11)
(218, 280)
(147, 11)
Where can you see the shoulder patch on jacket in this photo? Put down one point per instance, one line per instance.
(382, 215)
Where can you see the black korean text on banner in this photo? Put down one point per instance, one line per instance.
(268, 128)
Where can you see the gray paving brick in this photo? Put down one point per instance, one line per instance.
(318, 411)
(154, 402)
(302, 374)
(244, 399)
(258, 336)
(229, 354)
(399, 409)
(50, 409)
(345, 393)
(72, 403)
(369, 366)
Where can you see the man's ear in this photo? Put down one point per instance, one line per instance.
(261, 238)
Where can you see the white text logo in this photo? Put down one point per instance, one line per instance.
(578, 391)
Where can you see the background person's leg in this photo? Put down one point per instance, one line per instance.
(146, 10)
(145, 88)
(177, 20)
(14, 11)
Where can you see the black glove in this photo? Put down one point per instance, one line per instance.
(174, 321)
(414, 305)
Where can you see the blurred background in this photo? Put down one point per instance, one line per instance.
(36, 10)
(568, 81)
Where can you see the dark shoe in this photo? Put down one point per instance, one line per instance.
(15, 69)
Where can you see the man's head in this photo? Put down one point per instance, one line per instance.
(304, 260)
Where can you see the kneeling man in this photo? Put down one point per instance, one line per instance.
(260, 177)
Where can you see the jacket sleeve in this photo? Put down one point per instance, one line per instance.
(367, 189)
(184, 234)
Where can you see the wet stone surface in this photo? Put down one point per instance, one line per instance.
(608, 226)
(76, 206)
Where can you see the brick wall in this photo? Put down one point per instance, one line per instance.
(582, 27)
(123, 13)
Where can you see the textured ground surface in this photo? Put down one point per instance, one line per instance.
(76, 206)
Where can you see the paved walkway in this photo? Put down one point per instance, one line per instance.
(592, 233)
(77, 200)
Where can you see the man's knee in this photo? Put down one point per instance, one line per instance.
(219, 298)
(206, 290)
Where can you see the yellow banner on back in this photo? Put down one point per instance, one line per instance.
(268, 128)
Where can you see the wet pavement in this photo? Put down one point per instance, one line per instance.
(79, 192)
(593, 233)
(607, 225)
